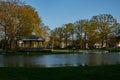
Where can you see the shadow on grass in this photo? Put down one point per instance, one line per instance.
(67, 73)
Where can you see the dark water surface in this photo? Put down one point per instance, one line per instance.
(60, 60)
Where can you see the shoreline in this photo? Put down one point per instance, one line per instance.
(56, 51)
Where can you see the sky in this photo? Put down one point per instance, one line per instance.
(55, 13)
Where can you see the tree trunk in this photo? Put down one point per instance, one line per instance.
(107, 46)
(102, 43)
(85, 40)
(81, 43)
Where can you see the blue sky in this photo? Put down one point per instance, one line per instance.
(55, 13)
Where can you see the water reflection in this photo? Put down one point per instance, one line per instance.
(60, 60)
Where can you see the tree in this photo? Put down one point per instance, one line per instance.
(105, 23)
(8, 19)
(69, 30)
(81, 30)
(29, 20)
(57, 36)
(46, 35)
(92, 34)
(115, 38)
(18, 20)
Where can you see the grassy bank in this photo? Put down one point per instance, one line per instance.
(55, 51)
(70, 73)
(44, 52)
(114, 50)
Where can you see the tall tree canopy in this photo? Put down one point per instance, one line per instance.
(105, 23)
(99, 30)
(18, 19)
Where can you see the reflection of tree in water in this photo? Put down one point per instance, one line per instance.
(94, 59)
(83, 59)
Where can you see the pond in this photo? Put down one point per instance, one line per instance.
(60, 60)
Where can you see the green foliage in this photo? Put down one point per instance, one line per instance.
(105, 23)
(99, 29)
(17, 20)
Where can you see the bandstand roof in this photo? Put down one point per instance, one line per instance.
(32, 38)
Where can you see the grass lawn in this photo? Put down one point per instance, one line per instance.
(69, 73)
(46, 52)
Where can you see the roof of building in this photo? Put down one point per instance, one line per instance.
(33, 38)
